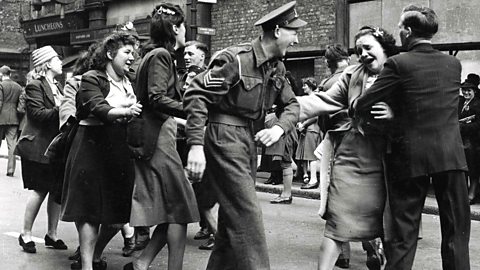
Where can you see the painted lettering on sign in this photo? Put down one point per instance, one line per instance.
(46, 27)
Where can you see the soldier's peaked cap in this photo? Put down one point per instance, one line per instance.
(285, 16)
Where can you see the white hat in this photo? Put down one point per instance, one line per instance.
(42, 55)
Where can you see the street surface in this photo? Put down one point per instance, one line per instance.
(294, 233)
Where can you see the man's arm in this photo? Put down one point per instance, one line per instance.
(208, 87)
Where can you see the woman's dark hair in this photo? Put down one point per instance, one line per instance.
(164, 17)
(111, 44)
(84, 62)
(310, 82)
(422, 20)
(386, 40)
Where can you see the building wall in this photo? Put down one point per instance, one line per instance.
(10, 32)
(234, 23)
(122, 11)
(12, 42)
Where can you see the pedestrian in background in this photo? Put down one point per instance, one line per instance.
(427, 145)
(308, 139)
(99, 173)
(41, 175)
(195, 53)
(10, 92)
(240, 84)
(162, 194)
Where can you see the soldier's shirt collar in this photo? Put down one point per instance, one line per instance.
(259, 52)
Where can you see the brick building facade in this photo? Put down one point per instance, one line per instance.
(12, 41)
(234, 23)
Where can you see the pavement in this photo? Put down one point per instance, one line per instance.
(294, 233)
(430, 207)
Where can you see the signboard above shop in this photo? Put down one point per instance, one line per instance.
(90, 35)
(52, 25)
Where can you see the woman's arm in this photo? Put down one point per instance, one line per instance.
(159, 79)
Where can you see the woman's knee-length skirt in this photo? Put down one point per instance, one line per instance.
(356, 195)
(98, 176)
(162, 193)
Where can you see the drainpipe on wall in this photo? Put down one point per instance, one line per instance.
(97, 13)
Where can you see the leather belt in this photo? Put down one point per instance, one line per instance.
(228, 119)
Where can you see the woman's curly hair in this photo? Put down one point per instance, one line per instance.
(111, 44)
(386, 40)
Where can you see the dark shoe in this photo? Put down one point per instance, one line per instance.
(373, 263)
(27, 247)
(209, 244)
(76, 255)
(140, 245)
(59, 244)
(128, 266)
(204, 233)
(128, 246)
(100, 265)
(310, 186)
(76, 265)
(375, 255)
(269, 181)
(474, 200)
(10, 174)
(282, 200)
(343, 263)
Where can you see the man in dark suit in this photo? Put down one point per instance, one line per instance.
(426, 145)
(9, 94)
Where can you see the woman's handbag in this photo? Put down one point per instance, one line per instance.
(60, 145)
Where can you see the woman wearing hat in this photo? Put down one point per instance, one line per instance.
(469, 113)
(43, 96)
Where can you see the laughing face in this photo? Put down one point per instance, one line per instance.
(123, 59)
(286, 38)
(371, 53)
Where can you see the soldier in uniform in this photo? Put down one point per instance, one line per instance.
(240, 84)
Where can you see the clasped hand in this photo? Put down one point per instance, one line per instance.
(269, 136)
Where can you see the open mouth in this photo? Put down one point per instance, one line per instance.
(367, 61)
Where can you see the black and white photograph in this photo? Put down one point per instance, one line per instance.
(239, 134)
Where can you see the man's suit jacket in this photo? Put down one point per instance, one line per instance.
(424, 84)
(42, 121)
(9, 94)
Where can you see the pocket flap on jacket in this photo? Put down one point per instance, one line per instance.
(251, 82)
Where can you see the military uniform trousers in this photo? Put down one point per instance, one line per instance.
(240, 242)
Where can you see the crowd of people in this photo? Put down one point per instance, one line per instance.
(131, 143)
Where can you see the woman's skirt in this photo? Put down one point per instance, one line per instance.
(162, 193)
(356, 195)
(307, 143)
(98, 176)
